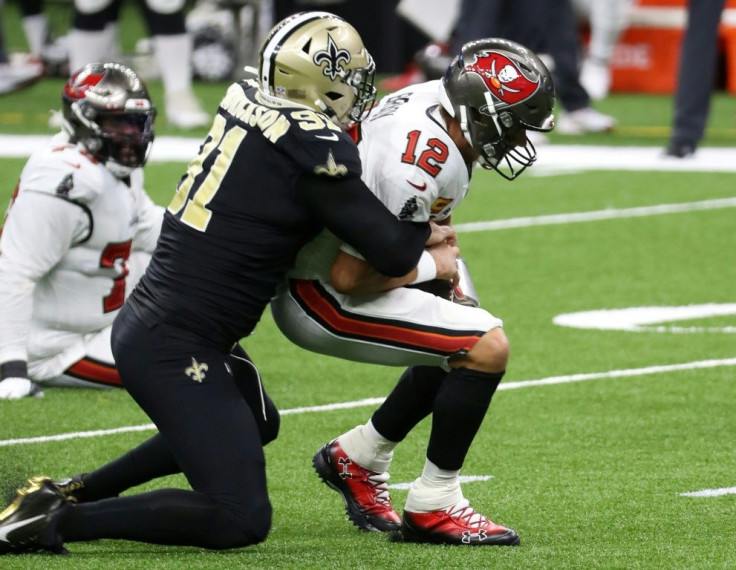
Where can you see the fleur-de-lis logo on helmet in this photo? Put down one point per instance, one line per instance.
(333, 57)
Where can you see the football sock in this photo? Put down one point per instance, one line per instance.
(368, 448)
(36, 28)
(460, 406)
(173, 56)
(410, 401)
(86, 46)
(435, 490)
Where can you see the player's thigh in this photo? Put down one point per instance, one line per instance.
(402, 327)
(185, 387)
(95, 368)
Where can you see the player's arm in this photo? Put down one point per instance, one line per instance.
(150, 218)
(37, 233)
(350, 274)
(353, 213)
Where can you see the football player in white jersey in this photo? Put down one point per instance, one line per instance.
(418, 149)
(78, 234)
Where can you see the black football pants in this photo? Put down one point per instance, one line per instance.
(186, 387)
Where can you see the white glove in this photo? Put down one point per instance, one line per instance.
(17, 388)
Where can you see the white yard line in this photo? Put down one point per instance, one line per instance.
(553, 380)
(463, 480)
(711, 492)
(553, 158)
(596, 215)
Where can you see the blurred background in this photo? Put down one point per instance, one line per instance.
(627, 54)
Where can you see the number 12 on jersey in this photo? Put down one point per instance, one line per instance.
(196, 190)
(431, 157)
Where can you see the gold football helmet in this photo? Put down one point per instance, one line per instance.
(318, 60)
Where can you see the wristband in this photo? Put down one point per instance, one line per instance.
(14, 369)
(426, 268)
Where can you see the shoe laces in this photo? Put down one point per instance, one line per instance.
(467, 514)
(379, 483)
(69, 488)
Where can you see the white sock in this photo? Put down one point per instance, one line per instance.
(91, 46)
(368, 448)
(36, 27)
(437, 489)
(173, 56)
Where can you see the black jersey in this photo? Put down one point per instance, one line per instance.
(237, 219)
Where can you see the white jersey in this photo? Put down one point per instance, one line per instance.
(409, 162)
(64, 250)
(414, 167)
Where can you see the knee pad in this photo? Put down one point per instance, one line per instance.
(91, 6)
(164, 6)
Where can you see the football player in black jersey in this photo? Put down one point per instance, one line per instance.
(275, 169)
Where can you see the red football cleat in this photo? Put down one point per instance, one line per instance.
(459, 524)
(365, 492)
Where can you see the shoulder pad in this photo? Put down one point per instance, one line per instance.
(320, 146)
(65, 170)
(308, 137)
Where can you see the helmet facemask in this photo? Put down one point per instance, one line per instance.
(498, 90)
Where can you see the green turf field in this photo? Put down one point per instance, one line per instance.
(595, 436)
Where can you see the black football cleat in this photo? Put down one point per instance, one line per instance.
(26, 524)
(677, 149)
(365, 493)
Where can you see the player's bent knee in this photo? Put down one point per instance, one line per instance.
(490, 353)
(242, 529)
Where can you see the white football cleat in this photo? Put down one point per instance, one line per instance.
(586, 120)
(19, 72)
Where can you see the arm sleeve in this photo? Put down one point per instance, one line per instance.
(38, 232)
(348, 208)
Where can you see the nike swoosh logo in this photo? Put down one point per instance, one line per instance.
(330, 137)
(420, 187)
(5, 530)
(73, 164)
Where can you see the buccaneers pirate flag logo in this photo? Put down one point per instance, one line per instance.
(503, 77)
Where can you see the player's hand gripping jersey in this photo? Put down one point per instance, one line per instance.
(270, 175)
(64, 251)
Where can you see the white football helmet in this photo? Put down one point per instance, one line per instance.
(318, 60)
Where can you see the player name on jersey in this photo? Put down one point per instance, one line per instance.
(271, 122)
